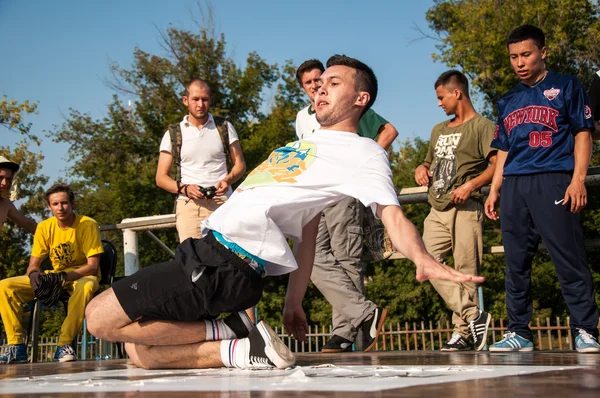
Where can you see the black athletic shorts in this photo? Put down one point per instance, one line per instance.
(166, 292)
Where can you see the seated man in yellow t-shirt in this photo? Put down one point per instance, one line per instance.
(74, 247)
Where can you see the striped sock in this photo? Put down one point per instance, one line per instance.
(234, 353)
(216, 329)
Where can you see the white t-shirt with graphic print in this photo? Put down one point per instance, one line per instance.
(202, 156)
(294, 185)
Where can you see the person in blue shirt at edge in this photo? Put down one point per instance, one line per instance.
(543, 137)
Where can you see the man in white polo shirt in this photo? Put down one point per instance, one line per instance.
(202, 158)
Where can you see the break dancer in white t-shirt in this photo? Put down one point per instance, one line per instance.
(166, 313)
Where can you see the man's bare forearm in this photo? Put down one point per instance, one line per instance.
(582, 153)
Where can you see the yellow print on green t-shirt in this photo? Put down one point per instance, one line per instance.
(283, 165)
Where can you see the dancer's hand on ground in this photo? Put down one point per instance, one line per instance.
(295, 322)
(428, 268)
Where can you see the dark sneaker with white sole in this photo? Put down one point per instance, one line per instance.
(240, 323)
(479, 329)
(15, 353)
(267, 350)
(372, 327)
(65, 353)
(337, 344)
(457, 343)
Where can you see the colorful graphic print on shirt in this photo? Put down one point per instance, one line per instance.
(283, 165)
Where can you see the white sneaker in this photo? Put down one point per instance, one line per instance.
(267, 350)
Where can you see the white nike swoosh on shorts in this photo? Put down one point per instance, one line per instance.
(556, 202)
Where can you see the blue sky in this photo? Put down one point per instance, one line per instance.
(57, 53)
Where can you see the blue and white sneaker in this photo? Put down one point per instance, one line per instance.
(585, 342)
(512, 342)
(64, 353)
(15, 353)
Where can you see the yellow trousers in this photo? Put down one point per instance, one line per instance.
(16, 291)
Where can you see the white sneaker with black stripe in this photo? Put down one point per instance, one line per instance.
(267, 350)
(457, 343)
(479, 329)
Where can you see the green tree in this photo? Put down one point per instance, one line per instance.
(11, 117)
(472, 35)
(114, 158)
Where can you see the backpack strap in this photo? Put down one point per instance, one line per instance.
(175, 134)
(223, 130)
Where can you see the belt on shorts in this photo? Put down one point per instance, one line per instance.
(256, 263)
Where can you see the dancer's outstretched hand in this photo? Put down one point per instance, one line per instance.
(428, 268)
(295, 322)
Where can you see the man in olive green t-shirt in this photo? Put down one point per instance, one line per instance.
(338, 268)
(459, 162)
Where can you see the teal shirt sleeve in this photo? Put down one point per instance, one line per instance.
(370, 123)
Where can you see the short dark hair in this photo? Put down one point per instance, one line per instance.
(194, 81)
(308, 66)
(365, 77)
(526, 32)
(455, 78)
(56, 188)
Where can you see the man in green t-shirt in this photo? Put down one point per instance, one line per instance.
(459, 162)
(338, 269)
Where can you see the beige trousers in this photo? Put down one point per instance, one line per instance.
(459, 229)
(190, 212)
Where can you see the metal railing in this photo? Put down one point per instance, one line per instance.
(90, 348)
(430, 335)
(407, 336)
(131, 226)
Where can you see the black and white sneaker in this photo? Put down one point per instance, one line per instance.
(457, 343)
(479, 329)
(337, 344)
(240, 323)
(372, 327)
(267, 350)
